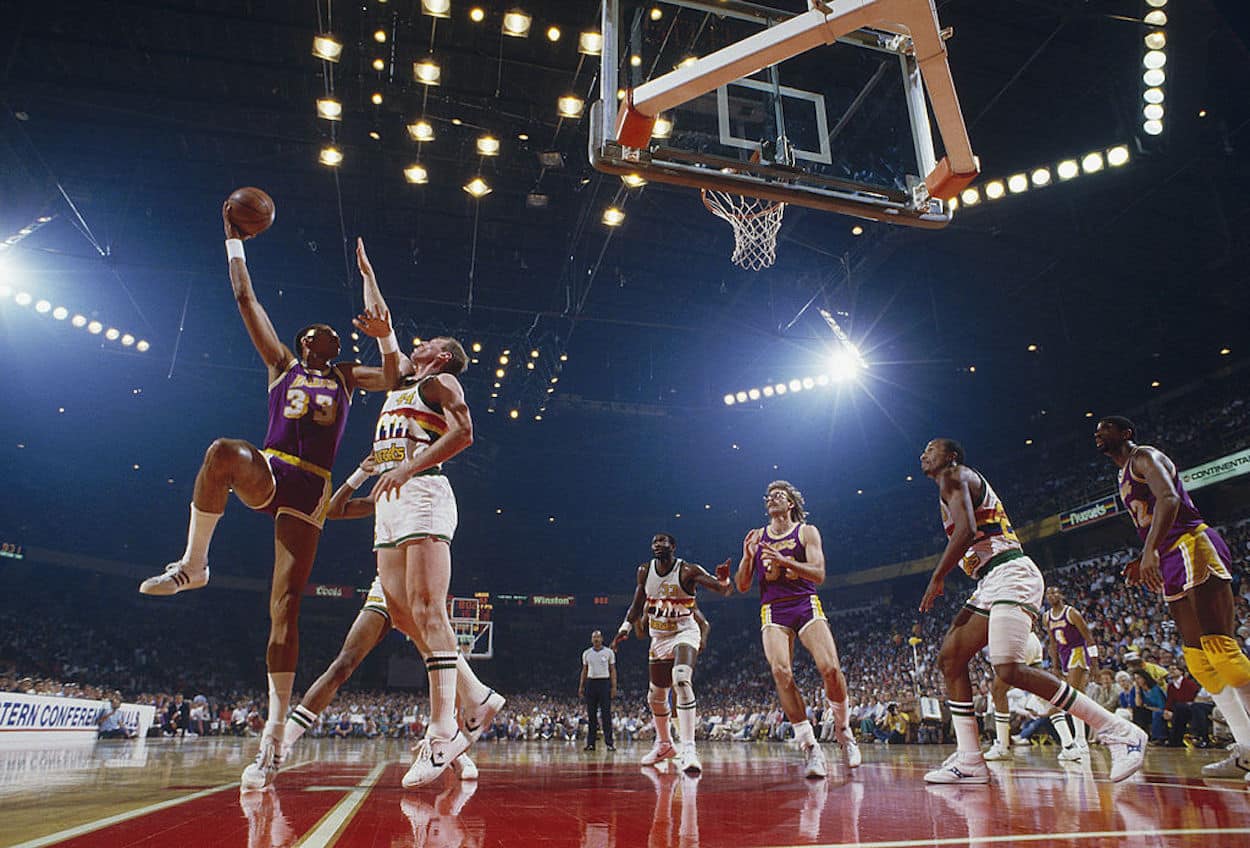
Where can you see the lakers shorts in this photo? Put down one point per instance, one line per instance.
(300, 489)
(424, 508)
(375, 601)
(1073, 658)
(1191, 560)
(793, 614)
(664, 643)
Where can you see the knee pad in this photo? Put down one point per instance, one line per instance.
(683, 677)
(1200, 668)
(1229, 662)
(1009, 631)
(657, 699)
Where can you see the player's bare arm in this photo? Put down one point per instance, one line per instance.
(693, 576)
(446, 391)
(343, 505)
(1153, 467)
(745, 574)
(953, 489)
(704, 626)
(273, 352)
(374, 301)
(633, 616)
(375, 322)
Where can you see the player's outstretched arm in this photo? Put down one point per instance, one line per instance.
(954, 493)
(696, 575)
(634, 613)
(375, 304)
(446, 391)
(275, 354)
(376, 323)
(342, 504)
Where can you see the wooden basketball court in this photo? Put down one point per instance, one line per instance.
(347, 793)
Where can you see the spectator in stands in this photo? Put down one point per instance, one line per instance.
(1183, 710)
(1135, 661)
(1148, 700)
(109, 721)
(893, 728)
(177, 717)
(199, 717)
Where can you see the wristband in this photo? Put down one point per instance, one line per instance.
(1091, 651)
(356, 478)
(388, 344)
(625, 627)
(234, 249)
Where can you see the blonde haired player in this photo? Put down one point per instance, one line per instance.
(787, 558)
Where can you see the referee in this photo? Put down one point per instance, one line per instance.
(598, 688)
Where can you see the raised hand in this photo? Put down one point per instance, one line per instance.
(362, 259)
(375, 322)
(232, 232)
(722, 571)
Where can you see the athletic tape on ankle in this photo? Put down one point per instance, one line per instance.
(234, 249)
(1229, 662)
(1200, 668)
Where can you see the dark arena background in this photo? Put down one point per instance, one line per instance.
(625, 379)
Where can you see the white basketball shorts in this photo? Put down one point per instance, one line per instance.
(664, 643)
(424, 508)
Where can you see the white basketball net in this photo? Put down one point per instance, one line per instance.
(755, 224)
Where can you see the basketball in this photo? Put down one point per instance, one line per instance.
(251, 211)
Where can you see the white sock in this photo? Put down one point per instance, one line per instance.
(297, 724)
(441, 669)
(803, 734)
(1078, 731)
(280, 683)
(1059, 721)
(964, 720)
(1085, 708)
(1234, 715)
(199, 534)
(840, 727)
(471, 690)
(686, 721)
(1002, 729)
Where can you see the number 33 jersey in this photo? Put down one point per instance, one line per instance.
(307, 414)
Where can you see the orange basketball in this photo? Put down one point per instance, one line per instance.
(250, 210)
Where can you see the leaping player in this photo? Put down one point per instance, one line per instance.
(1074, 655)
(372, 624)
(310, 396)
(787, 558)
(1000, 613)
(1180, 554)
(665, 591)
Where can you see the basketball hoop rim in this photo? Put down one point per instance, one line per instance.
(741, 216)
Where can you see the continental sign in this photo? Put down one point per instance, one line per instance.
(1089, 513)
(1217, 470)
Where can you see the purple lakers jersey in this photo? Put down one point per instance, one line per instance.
(1140, 503)
(791, 547)
(1064, 632)
(307, 414)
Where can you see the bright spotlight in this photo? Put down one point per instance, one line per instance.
(488, 145)
(142, 346)
(79, 320)
(128, 340)
(517, 24)
(1156, 18)
(1040, 177)
(95, 328)
(427, 72)
(590, 43)
(570, 106)
(1156, 40)
(1152, 127)
(22, 298)
(421, 131)
(729, 400)
(970, 197)
(1152, 111)
(60, 313)
(112, 334)
(753, 394)
(1154, 60)
(436, 8)
(663, 128)
(1117, 155)
(1092, 163)
(1154, 77)
(842, 366)
(796, 385)
(1067, 169)
(822, 380)
(43, 306)
(994, 189)
(1017, 183)
(768, 391)
(780, 388)
(741, 397)
(613, 216)
(1152, 95)
(809, 383)
(327, 47)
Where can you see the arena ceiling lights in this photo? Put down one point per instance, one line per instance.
(1154, 60)
(1043, 176)
(60, 313)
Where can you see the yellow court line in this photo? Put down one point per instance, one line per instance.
(921, 842)
(327, 831)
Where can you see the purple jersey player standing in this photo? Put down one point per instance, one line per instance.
(1180, 556)
(1073, 655)
(309, 398)
(787, 559)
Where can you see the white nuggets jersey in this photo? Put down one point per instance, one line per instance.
(670, 608)
(406, 426)
(994, 535)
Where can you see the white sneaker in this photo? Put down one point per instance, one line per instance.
(851, 750)
(1236, 765)
(659, 752)
(1071, 754)
(478, 718)
(1020, 742)
(464, 767)
(262, 770)
(998, 752)
(960, 768)
(178, 577)
(816, 765)
(433, 756)
(688, 759)
(1128, 750)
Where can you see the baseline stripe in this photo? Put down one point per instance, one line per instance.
(326, 832)
(1028, 837)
